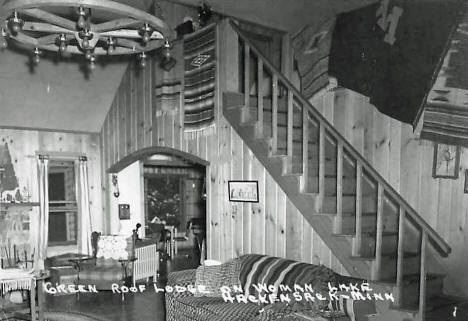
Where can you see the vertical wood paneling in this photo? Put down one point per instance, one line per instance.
(236, 208)
(270, 215)
(293, 232)
(247, 207)
(281, 223)
(148, 120)
(128, 111)
(273, 226)
(140, 106)
(258, 212)
(122, 98)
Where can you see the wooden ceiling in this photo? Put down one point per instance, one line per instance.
(57, 96)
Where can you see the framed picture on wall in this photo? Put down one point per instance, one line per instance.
(446, 163)
(243, 191)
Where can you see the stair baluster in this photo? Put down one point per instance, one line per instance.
(379, 233)
(321, 165)
(422, 276)
(339, 190)
(400, 255)
(274, 116)
(305, 151)
(259, 127)
(246, 76)
(358, 237)
(290, 131)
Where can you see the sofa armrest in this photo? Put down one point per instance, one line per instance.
(181, 278)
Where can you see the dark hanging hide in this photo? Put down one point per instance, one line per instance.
(391, 52)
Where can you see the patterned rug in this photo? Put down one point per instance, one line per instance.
(199, 76)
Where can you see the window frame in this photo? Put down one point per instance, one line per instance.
(64, 206)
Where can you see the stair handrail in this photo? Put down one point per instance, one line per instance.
(436, 240)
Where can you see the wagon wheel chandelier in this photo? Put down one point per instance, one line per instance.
(90, 28)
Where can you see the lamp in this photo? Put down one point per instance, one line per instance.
(3, 43)
(62, 43)
(37, 55)
(167, 62)
(88, 27)
(115, 182)
(14, 23)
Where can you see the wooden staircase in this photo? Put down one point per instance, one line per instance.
(372, 230)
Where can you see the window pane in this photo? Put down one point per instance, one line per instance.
(57, 186)
(62, 227)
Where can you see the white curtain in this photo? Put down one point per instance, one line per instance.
(84, 206)
(43, 230)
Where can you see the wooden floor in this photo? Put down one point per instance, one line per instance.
(107, 306)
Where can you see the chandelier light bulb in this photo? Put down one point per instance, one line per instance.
(37, 56)
(110, 46)
(85, 43)
(88, 55)
(81, 23)
(3, 43)
(62, 43)
(145, 32)
(92, 65)
(167, 50)
(143, 58)
(15, 23)
(145, 38)
(92, 61)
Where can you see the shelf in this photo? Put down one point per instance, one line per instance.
(18, 204)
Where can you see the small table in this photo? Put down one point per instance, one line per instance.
(35, 287)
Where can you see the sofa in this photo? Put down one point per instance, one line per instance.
(257, 287)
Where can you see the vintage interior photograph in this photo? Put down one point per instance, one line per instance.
(244, 160)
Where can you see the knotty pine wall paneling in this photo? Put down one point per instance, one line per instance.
(273, 226)
(406, 163)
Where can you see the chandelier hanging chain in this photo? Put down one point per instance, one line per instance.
(86, 27)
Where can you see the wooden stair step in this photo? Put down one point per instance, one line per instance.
(410, 292)
(234, 99)
(389, 243)
(389, 264)
(369, 221)
(348, 204)
(348, 183)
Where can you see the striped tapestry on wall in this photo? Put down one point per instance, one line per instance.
(311, 51)
(168, 86)
(445, 123)
(199, 80)
(446, 111)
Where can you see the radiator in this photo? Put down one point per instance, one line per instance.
(146, 264)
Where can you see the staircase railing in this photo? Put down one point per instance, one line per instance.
(344, 151)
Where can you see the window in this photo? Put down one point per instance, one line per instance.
(63, 209)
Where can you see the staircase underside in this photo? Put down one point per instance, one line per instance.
(290, 184)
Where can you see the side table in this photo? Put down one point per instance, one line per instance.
(36, 296)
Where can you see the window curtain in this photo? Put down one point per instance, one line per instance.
(82, 189)
(43, 227)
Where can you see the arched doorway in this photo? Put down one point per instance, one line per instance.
(165, 190)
